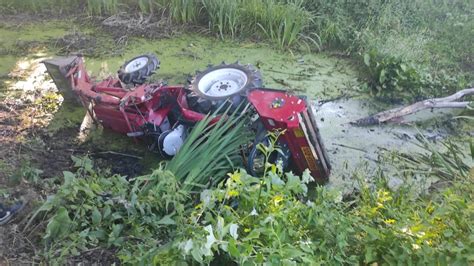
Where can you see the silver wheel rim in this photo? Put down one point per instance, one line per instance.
(222, 82)
(136, 64)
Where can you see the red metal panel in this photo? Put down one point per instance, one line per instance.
(277, 105)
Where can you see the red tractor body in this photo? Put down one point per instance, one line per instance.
(147, 107)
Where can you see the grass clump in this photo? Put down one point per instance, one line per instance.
(183, 11)
(211, 150)
(58, 6)
(225, 17)
(283, 23)
(95, 7)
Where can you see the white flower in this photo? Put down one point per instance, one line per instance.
(254, 212)
(233, 231)
(211, 239)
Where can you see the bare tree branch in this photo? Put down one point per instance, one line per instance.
(398, 113)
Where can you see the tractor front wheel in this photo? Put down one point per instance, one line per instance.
(138, 69)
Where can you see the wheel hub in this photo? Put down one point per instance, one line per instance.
(136, 64)
(222, 82)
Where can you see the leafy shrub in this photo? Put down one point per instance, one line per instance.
(393, 78)
(246, 219)
(249, 220)
(91, 210)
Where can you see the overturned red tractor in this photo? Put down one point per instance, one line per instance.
(131, 106)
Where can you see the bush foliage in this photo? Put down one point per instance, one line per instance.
(268, 219)
(253, 220)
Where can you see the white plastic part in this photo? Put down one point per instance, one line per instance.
(174, 140)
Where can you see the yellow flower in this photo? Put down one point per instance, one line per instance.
(277, 199)
(233, 193)
(389, 221)
(236, 177)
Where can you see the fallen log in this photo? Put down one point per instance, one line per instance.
(398, 113)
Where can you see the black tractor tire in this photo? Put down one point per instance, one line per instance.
(204, 103)
(139, 73)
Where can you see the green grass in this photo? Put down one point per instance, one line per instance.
(280, 22)
(210, 150)
(182, 11)
(435, 32)
(102, 7)
(225, 16)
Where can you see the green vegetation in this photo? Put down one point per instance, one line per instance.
(201, 207)
(424, 36)
(392, 78)
(271, 219)
(210, 151)
(418, 48)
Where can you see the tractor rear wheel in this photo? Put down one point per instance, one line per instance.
(217, 85)
(138, 69)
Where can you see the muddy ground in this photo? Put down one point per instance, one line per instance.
(39, 133)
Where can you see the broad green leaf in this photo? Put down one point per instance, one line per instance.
(68, 177)
(197, 254)
(403, 67)
(367, 59)
(107, 211)
(188, 246)
(221, 230)
(293, 183)
(96, 216)
(210, 240)
(166, 220)
(98, 234)
(382, 76)
(59, 224)
(233, 250)
(369, 255)
(252, 235)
